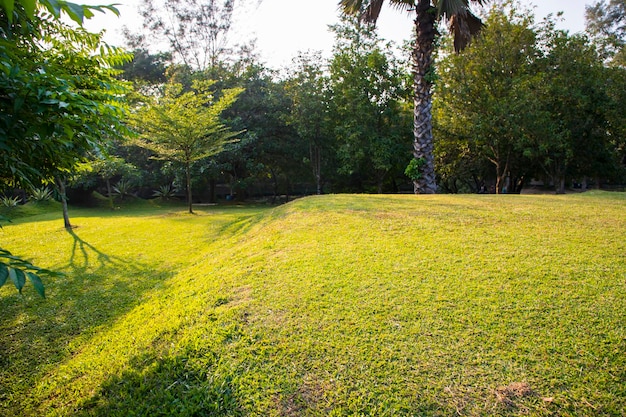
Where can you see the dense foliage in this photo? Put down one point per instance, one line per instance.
(531, 101)
(59, 101)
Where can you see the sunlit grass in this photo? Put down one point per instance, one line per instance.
(333, 305)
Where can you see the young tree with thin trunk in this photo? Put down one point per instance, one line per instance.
(463, 24)
(184, 127)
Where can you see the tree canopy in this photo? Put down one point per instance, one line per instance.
(185, 126)
(59, 100)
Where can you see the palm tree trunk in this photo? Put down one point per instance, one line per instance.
(422, 115)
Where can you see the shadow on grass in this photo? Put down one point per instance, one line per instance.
(38, 334)
(84, 248)
(165, 386)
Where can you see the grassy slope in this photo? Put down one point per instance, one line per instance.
(333, 305)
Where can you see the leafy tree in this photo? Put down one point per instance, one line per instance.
(534, 101)
(606, 21)
(184, 127)
(573, 91)
(270, 150)
(307, 87)
(58, 97)
(486, 98)
(463, 24)
(368, 115)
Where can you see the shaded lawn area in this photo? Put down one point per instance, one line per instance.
(331, 305)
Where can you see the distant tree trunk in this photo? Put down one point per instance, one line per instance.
(583, 184)
(560, 186)
(66, 216)
(316, 164)
(274, 186)
(188, 179)
(212, 191)
(110, 193)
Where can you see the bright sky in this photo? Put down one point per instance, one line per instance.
(284, 27)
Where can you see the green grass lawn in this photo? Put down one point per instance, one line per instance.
(327, 306)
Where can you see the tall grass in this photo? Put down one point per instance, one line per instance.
(332, 305)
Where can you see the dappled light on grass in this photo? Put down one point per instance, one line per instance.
(331, 305)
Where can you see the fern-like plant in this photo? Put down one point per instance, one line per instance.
(10, 201)
(165, 192)
(123, 189)
(41, 194)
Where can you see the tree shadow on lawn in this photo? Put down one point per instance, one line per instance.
(165, 386)
(40, 333)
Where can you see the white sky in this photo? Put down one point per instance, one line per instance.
(284, 27)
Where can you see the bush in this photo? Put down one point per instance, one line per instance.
(41, 194)
(165, 192)
(10, 201)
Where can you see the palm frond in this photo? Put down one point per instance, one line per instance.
(463, 26)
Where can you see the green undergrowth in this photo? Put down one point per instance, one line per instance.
(327, 306)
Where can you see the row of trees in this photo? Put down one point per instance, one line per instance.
(524, 101)
(529, 101)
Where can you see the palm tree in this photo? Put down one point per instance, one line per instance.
(463, 24)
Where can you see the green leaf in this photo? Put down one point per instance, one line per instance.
(75, 11)
(4, 274)
(29, 7)
(53, 6)
(8, 6)
(18, 278)
(34, 278)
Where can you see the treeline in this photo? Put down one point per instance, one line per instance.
(525, 103)
(324, 125)
(529, 102)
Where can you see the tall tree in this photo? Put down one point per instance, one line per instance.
(58, 100)
(606, 21)
(368, 113)
(486, 98)
(308, 89)
(463, 24)
(197, 31)
(184, 127)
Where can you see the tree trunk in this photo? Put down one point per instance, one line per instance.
(66, 216)
(188, 178)
(110, 194)
(316, 164)
(422, 110)
(560, 186)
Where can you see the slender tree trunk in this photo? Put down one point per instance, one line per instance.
(110, 194)
(66, 216)
(189, 196)
(316, 163)
(560, 187)
(422, 114)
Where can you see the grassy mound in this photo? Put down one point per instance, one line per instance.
(332, 305)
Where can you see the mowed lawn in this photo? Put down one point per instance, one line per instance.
(337, 305)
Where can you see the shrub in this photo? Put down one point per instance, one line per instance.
(165, 192)
(41, 194)
(123, 189)
(10, 201)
